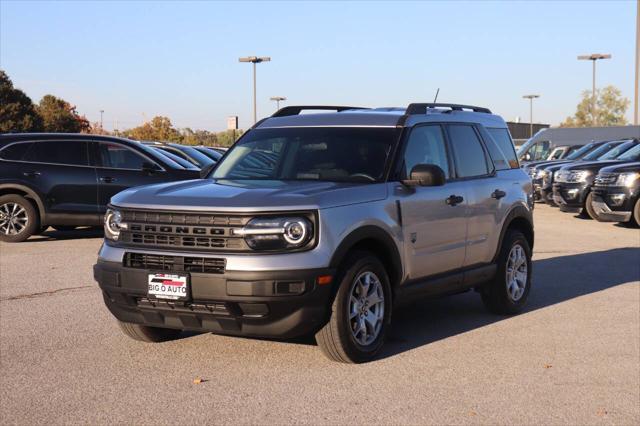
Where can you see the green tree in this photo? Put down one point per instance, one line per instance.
(17, 112)
(228, 137)
(610, 109)
(158, 129)
(198, 137)
(60, 116)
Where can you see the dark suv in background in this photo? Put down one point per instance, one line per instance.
(67, 180)
(616, 194)
(572, 186)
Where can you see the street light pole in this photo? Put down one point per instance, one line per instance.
(594, 57)
(282, 98)
(254, 60)
(101, 113)
(531, 98)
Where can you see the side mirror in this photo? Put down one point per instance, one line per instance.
(425, 175)
(149, 167)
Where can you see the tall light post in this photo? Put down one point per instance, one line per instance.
(593, 58)
(255, 60)
(531, 98)
(278, 99)
(101, 114)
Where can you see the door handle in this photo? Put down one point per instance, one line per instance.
(107, 179)
(454, 200)
(497, 194)
(31, 173)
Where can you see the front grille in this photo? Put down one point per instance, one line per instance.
(208, 265)
(194, 231)
(606, 179)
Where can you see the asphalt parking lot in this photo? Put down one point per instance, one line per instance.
(573, 357)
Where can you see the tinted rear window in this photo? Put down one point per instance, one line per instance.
(72, 153)
(16, 151)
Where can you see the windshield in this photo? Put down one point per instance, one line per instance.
(209, 152)
(601, 150)
(615, 152)
(524, 148)
(581, 152)
(632, 155)
(195, 155)
(337, 154)
(181, 161)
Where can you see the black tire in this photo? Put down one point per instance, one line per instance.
(336, 339)
(635, 217)
(495, 295)
(144, 333)
(589, 208)
(64, 228)
(32, 224)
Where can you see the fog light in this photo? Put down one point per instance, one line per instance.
(572, 193)
(617, 199)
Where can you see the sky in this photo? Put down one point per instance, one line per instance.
(136, 60)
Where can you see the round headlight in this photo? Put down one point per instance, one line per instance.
(295, 232)
(113, 224)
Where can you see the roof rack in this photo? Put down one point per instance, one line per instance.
(421, 108)
(297, 109)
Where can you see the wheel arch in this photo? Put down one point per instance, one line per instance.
(28, 193)
(521, 219)
(376, 240)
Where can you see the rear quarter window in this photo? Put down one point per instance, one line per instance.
(15, 152)
(502, 149)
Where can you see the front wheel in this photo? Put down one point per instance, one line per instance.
(507, 293)
(589, 208)
(361, 311)
(144, 333)
(18, 218)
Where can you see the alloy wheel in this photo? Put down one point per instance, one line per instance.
(366, 308)
(13, 218)
(516, 273)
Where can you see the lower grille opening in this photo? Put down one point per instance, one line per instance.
(208, 265)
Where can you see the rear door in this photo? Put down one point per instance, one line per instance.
(119, 167)
(475, 169)
(434, 229)
(60, 170)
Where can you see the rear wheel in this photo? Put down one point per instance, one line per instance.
(589, 208)
(507, 293)
(18, 218)
(361, 311)
(148, 334)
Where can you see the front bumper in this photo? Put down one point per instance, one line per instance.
(280, 304)
(613, 204)
(570, 197)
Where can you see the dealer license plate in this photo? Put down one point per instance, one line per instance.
(168, 286)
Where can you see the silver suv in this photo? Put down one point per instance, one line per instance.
(325, 223)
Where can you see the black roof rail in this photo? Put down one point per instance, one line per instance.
(421, 108)
(297, 109)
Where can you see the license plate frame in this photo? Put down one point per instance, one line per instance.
(168, 286)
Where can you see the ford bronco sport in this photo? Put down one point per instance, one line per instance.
(324, 223)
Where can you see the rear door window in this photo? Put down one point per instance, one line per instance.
(468, 153)
(70, 153)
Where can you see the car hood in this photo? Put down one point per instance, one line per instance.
(622, 168)
(591, 165)
(248, 195)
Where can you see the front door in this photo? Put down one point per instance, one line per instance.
(119, 168)
(434, 218)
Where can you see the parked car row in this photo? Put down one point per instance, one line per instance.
(67, 180)
(601, 181)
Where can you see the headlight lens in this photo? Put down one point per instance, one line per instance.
(113, 224)
(277, 233)
(627, 179)
(572, 176)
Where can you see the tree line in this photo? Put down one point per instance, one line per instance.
(18, 114)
